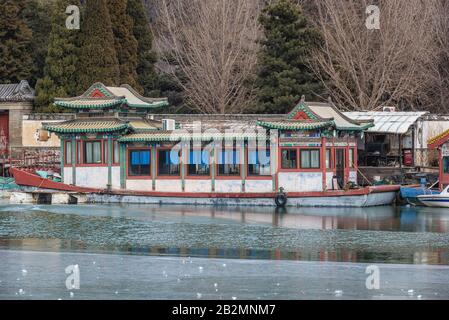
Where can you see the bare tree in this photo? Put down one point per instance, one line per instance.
(365, 69)
(210, 48)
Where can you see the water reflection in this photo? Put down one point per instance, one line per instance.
(385, 234)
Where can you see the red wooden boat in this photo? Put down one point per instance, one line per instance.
(25, 178)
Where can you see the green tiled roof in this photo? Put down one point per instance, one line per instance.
(89, 103)
(296, 124)
(86, 126)
(178, 136)
(112, 96)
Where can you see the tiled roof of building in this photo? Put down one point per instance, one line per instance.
(144, 125)
(296, 125)
(178, 135)
(123, 95)
(16, 92)
(90, 103)
(327, 111)
(87, 126)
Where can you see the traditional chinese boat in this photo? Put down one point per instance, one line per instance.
(121, 150)
(361, 197)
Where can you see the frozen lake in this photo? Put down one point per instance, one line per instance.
(41, 275)
(173, 252)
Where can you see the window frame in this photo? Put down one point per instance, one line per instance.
(281, 167)
(445, 169)
(85, 163)
(257, 176)
(238, 151)
(128, 164)
(66, 143)
(331, 159)
(309, 150)
(168, 176)
(187, 164)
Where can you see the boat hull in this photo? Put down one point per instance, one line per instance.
(409, 194)
(363, 197)
(367, 197)
(429, 201)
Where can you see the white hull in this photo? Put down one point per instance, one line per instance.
(350, 201)
(438, 200)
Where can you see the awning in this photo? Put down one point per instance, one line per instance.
(388, 122)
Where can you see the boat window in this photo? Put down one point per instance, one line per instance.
(68, 152)
(259, 162)
(289, 159)
(92, 152)
(310, 159)
(198, 162)
(116, 152)
(229, 162)
(351, 158)
(168, 162)
(446, 164)
(79, 157)
(139, 163)
(328, 159)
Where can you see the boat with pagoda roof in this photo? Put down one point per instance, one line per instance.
(120, 148)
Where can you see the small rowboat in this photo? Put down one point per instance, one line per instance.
(436, 200)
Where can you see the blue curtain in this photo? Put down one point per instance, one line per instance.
(228, 157)
(255, 158)
(140, 157)
(199, 157)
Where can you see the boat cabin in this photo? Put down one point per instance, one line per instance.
(441, 143)
(116, 142)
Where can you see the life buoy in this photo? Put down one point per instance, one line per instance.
(281, 200)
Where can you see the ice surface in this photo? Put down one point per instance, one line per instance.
(139, 277)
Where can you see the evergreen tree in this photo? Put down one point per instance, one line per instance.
(147, 76)
(98, 56)
(16, 61)
(284, 74)
(125, 42)
(39, 21)
(61, 71)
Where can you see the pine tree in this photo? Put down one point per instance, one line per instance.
(284, 74)
(39, 21)
(125, 42)
(98, 56)
(147, 76)
(16, 62)
(61, 71)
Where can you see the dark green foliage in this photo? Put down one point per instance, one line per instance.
(16, 59)
(62, 64)
(125, 42)
(147, 76)
(284, 74)
(39, 21)
(98, 56)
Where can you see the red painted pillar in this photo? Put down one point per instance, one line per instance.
(440, 155)
(323, 161)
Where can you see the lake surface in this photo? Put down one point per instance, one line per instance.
(306, 244)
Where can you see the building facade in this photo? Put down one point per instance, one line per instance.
(15, 100)
(117, 141)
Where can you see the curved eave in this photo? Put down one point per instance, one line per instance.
(361, 128)
(153, 105)
(68, 104)
(174, 138)
(299, 127)
(56, 129)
